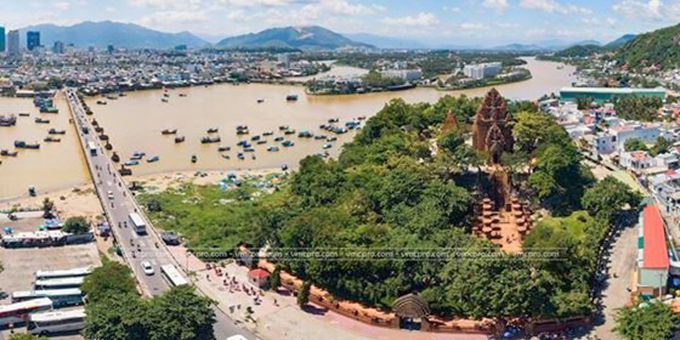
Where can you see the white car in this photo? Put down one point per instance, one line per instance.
(237, 337)
(110, 194)
(147, 268)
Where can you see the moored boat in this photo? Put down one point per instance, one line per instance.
(223, 148)
(169, 132)
(8, 153)
(51, 139)
(132, 162)
(179, 139)
(42, 121)
(213, 130)
(288, 143)
(208, 140)
(54, 131)
(19, 144)
(292, 97)
(9, 120)
(194, 158)
(153, 159)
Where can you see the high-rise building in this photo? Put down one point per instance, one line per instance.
(2, 39)
(481, 71)
(32, 40)
(13, 44)
(58, 47)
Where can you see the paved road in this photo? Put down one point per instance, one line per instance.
(118, 205)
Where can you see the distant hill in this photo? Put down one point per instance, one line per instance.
(620, 41)
(658, 47)
(519, 47)
(579, 51)
(385, 42)
(304, 38)
(101, 34)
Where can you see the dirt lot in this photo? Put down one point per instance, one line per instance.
(21, 264)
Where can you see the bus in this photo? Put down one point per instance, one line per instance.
(64, 282)
(56, 322)
(173, 275)
(55, 274)
(17, 313)
(59, 297)
(138, 223)
(92, 147)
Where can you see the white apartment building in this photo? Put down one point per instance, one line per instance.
(481, 71)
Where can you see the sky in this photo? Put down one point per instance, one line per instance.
(451, 22)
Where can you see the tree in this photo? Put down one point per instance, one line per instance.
(154, 205)
(47, 208)
(180, 314)
(275, 278)
(662, 145)
(608, 196)
(649, 321)
(533, 129)
(119, 316)
(76, 225)
(634, 144)
(111, 278)
(583, 103)
(303, 294)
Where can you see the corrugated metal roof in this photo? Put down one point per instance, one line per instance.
(655, 251)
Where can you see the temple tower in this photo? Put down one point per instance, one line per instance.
(491, 130)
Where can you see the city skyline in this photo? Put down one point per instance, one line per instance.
(455, 22)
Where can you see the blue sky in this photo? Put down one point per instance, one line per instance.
(453, 22)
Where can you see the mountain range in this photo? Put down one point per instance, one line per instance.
(658, 48)
(101, 34)
(302, 37)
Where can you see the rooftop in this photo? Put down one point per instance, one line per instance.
(615, 90)
(655, 254)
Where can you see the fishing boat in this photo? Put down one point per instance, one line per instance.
(9, 120)
(213, 130)
(242, 142)
(115, 158)
(260, 100)
(125, 171)
(122, 94)
(108, 146)
(248, 150)
(284, 127)
(179, 139)
(331, 139)
(268, 133)
(8, 153)
(182, 94)
(278, 139)
(194, 158)
(132, 162)
(260, 142)
(327, 146)
(101, 102)
(19, 144)
(255, 138)
(164, 100)
(284, 167)
(289, 132)
(241, 127)
(208, 140)
(153, 159)
(226, 157)
(112, 97)
(361, 118)
(56, 132)
(138, 155)
(288, 143)
(333, 120)
(240, 156)
(319, 137)
(246, 145)
(24, 114)
(224, 148)
(169, 132)
(305, 134)
(253, 157)
(166, 95)
(42, 121)
(50, 139)
(273, 149)
(292, 97)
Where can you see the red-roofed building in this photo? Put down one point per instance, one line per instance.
(653, 262)
(259, 277)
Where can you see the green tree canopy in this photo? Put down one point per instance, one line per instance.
(112, 278)
(634, 144)
(180, 314)
(303, 294)
(76, 225)
(651, 321)
(118, 316)
(609, 196)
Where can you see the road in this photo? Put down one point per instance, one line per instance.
(118, 204)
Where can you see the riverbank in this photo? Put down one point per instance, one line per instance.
(156, 183)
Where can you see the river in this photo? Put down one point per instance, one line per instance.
(134, 123)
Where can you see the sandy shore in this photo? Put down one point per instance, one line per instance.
(160, 182)
(77, 201)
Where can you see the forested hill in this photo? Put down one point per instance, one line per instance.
(659, 47)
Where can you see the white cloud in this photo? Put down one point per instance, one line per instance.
(62, 5)
(471, 26)
(422, 19)
(110, 9)
(640, 9)
(552, 6)
(170, 19)
(498, 5)
(611, 21)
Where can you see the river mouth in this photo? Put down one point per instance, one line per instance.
(134, 123)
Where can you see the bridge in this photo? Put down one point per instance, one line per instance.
(118, 203)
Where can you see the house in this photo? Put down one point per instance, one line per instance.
(619, 131)
(259, 277)
(652, 261)
(637, 160)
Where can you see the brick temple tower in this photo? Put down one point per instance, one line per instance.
(491, 130)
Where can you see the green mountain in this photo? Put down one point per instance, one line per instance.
(620, 41)
(101, 34)
(579, 51)
(303, 38)
(660, 47)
